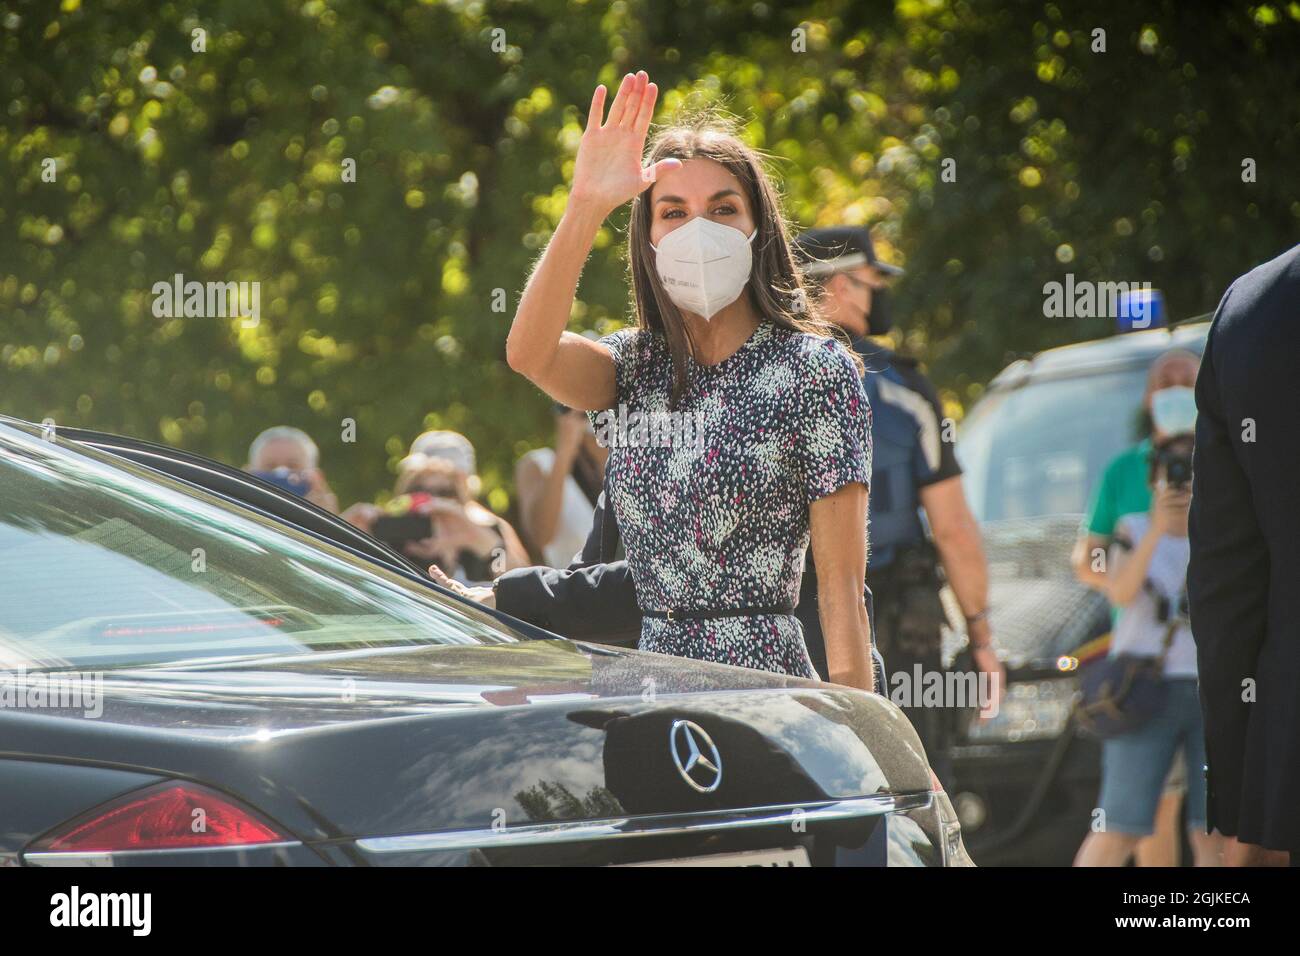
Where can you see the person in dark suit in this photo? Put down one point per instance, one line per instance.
(594, 598)
(1245, 557)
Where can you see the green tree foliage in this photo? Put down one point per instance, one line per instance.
(379, 297)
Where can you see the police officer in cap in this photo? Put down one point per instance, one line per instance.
(914, 470)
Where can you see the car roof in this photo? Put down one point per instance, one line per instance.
(1128, 350)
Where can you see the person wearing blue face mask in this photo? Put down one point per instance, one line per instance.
(288, 458)
(716, 518)
(1169, 408)
(1161, 717)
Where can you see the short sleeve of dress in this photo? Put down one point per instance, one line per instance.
(622, 346)
(833, 432)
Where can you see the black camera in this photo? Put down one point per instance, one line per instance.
(397, 531)
(1176, 460)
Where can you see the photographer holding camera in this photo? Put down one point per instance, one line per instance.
(288, 458)
(1143, 701)
(433, 517)
(1168, 408)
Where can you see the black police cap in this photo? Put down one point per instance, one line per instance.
(834, 249)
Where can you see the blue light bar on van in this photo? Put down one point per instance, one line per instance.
(1140, 309)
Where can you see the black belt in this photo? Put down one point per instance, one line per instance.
(705, 615)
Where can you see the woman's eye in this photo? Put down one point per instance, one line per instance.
(725, 210)
(673, 214)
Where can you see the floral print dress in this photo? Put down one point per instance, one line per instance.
(715, 516)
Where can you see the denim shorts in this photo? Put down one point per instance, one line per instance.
(1134, 765)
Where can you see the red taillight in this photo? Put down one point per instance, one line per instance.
(167, 816)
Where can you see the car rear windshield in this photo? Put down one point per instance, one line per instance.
(106, 565)
(1039, 449)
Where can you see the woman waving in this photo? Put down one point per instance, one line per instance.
(760, 439)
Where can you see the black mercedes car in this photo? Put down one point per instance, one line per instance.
(196, 668)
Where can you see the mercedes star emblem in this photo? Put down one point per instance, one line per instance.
(696, 756)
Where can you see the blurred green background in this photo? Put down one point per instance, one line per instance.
(463, 119)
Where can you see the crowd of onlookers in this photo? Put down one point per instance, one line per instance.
(433, 515)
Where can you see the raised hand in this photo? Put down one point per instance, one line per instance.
(608, 172)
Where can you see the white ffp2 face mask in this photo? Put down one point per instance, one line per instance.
(1173, 410)
(704, 265)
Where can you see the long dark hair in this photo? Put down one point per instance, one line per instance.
(776, 287)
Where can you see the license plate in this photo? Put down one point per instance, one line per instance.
(796, 856)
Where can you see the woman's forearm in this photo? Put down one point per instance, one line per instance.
(846, 630)
(1125, 581)
(1082, 561)
(839, 542)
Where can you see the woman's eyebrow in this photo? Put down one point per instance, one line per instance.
(714, 198)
